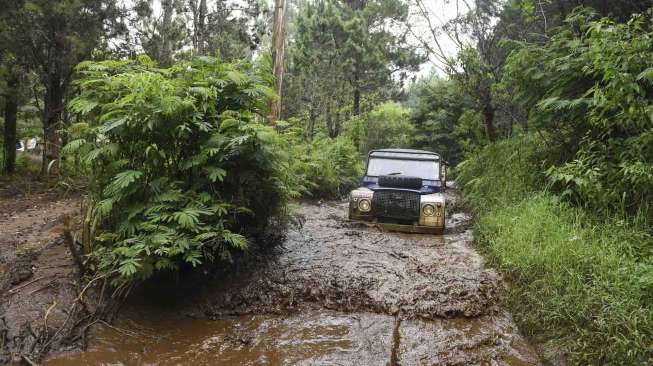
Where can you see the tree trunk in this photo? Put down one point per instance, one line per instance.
(357, 87)
(488, 121)
(312, 116)
(52, 109)
(201, 27)
(278, 36)
(165, 51)
(200, 12)
(11, 111)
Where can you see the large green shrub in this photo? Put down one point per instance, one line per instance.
(323, 167)
(179, 169)
(388, 125)
(500, 173)
(590, 89)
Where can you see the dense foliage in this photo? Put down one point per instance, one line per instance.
(387, 125)
(589, 89)
(180, 170)
(438, 110)
(580, 284)
(323, 167)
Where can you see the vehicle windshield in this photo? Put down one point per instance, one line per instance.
(425, 169)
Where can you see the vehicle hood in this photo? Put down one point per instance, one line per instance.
(424, 190)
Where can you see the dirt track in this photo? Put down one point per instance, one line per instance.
(37, 276)
(332, 293)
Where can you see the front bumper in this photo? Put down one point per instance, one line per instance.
(368, 219)
(418, 229)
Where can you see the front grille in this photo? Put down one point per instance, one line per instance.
(396, 205)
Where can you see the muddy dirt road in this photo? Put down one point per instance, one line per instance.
(38, 278)
(331, 294)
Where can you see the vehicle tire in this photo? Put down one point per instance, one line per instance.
(400, 181)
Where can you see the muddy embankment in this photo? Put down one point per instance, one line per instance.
(331, 294)
(38, 279)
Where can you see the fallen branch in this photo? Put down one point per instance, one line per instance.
(70, 242)
(13, 290)
(28, 361)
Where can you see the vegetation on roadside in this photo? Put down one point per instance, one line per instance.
(580, 284)
(180, 169)
(546, 108)
(564, 212)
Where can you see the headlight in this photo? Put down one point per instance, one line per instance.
(364, 205)
(428, 210)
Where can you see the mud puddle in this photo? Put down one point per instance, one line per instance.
(331, 294)
(311, 337)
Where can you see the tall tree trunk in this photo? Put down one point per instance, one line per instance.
(165, 51)
(278, 36)
(11, 111)
(201, 27)
(200, 12)
(357, 101)
(357, 87)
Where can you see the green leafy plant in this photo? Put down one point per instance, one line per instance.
(589, 91)
(180, 171)
(322, 167)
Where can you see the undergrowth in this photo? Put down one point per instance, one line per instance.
(581, 284)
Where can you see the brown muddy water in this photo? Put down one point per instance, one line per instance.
(331, 294)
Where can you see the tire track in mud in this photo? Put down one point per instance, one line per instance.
(435, 289)
(331, 293)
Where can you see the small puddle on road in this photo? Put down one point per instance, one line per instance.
(307, 338)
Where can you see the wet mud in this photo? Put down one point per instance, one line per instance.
(332, 293)
(348, 267)
(38, 278)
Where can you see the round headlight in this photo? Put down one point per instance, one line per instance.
(364, 205)
(428, 210)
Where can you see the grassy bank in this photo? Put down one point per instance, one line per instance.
(580, 284)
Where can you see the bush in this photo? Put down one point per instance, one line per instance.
(590, 88)
(501, 173)
(386, 126)
(580, 284)
(322, 167)
(332, 167)
(179, 169)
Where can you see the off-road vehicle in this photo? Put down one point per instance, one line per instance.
(402, 190)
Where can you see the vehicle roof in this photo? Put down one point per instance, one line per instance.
(406, 153)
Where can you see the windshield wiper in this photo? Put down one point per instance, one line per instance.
(394, 173)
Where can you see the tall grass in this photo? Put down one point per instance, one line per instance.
(580, 284)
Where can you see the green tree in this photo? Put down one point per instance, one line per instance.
(341, 52)
(225, 28)
(588, 91)
(437, 106)
(50, 38)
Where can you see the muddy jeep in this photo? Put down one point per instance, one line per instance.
(402, 190)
